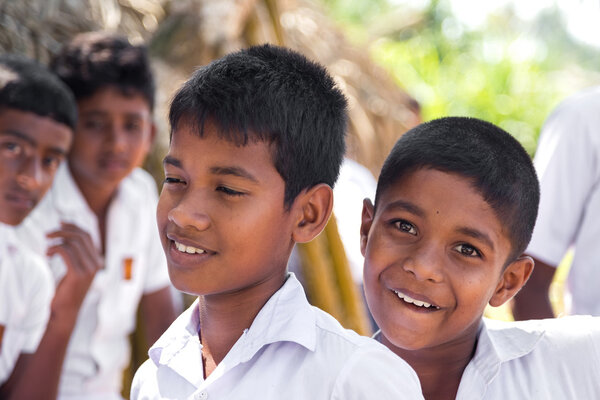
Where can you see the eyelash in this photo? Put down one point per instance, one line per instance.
(172, 180)
(228, 191)
(399, 223)
(473, 248)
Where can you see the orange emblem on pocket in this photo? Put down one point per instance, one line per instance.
(127, 268)
(1, 335)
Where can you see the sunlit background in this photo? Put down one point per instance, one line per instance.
(507, 61)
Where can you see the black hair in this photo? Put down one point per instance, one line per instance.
(499, 167)
(271, 94)
(94, 60)
(26, 85)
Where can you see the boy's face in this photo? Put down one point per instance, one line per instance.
(31, 148)
(114, 134)
(434, 258)
(221, 215)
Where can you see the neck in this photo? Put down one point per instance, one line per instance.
(98, 197)
(439, 368)
(224, 317)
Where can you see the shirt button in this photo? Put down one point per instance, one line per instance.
(201, 396)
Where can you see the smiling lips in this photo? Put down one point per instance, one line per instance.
(188, 249)
(415, 302)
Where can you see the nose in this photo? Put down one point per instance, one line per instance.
(188, 215)
(426, 263)
(117, 139)
(30, 175)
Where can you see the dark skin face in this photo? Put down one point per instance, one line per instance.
(226, 232)
(435, 256)
(31, 149)
(113, 136)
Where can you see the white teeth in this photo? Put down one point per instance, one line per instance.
(410, 300)
(188, 249)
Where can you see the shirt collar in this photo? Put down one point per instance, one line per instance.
(499, 342)
(286, 317)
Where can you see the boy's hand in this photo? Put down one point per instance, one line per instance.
(82, 260)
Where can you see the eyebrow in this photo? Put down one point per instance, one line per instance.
(235, 171)
(22, 136)
(231, 170)
(476, 234)
(406, 206)
(168, 160)
(31, 141)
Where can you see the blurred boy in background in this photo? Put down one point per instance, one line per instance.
(37, 118)
(102, 190)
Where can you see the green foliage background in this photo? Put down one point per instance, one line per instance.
(509, 72)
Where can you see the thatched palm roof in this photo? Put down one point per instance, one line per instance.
(186, 33)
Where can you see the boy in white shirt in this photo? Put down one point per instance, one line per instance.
(102, 190)
(37, 118)
(256, 144)
(455, 206)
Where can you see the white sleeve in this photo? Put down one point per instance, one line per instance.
(374, 373)
(566, 165)
(41, 291)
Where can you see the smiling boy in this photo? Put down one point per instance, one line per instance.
(455, 207)
(257, 141)
(102, 190)
(37, 118)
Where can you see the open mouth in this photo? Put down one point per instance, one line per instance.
(188, 249)
(414, 302)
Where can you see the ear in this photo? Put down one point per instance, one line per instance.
(313, 208)
(365, 226)
(153, 131)
(513, 278)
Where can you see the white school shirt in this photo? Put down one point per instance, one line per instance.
(26, 290)
(291, 351)
(99, 349)
(568, 165)
(551, 359)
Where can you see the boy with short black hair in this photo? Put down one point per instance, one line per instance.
(37, 118)
(455, 206)
(256, 143)
(102, 190)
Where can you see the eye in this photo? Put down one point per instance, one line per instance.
(133, 126)
(171, 181)
(11, 148)
(94, 124)
(52, 162)
(405, 226)
(228, 191)
(467, 250)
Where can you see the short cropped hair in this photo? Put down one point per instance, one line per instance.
(94, 60)
(26, 85)
(496, 163)
(271, 94)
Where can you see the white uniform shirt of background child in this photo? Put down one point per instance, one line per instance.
(291, 351)
(568, 165)
(26, 290)
(134, 265)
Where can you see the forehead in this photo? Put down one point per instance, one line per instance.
(43, 132)
(111, 99)
(192, 148)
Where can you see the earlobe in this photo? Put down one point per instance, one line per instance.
(365, 227)
(314, 207)
(513, 278)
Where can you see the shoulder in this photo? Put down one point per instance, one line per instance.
(364, 362)
(144, 381)
(573, 340)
